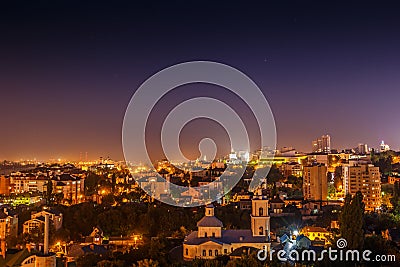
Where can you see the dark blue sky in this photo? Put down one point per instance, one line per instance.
(68, 70)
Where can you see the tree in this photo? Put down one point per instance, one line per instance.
(396, 197)
(49, 192)
(352, 222)
(91, 183)
(107, 263)
(87, 260)
(246, 261)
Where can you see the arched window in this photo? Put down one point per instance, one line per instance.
(204, 253)
(261, 230)
(213, 234)
(210, 252)
(216, 252)
(260, 211)
(187, 252)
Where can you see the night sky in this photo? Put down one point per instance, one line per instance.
(68, 69)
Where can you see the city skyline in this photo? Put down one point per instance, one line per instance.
(67, 82)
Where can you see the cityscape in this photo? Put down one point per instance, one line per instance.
(199, 134)
(95, 212)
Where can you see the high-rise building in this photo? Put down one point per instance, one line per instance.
(362, 149)
(322, 145)
(366, 179)
(315, 182)
(5, 185)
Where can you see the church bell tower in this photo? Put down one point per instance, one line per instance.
(260, 225)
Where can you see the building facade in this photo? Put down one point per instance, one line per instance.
(322, 145)
(366, 179)
(211, 240)
(38, 219)
(315, 182)
(5, 185)
(8, 224)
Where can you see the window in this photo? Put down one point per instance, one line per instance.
(205, 234)
(187, 252)
(210, 252)
(204, 253)
(225, 251)
(261, 230)
(213, 234)
(216, 252)
(260, 211)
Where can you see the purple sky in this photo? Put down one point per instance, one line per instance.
(67, 70)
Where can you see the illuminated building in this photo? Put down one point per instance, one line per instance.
(384, 147)
(291, 169)
(37, 220)
(28, 182)
(70, 186)
(322, 145)
(8, 224)
(5, 185)
(362, 149)
(210, 241)
(316, 234)
(28, 257)
(315, 182)
(366, 179)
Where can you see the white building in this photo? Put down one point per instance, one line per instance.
(211, 240)
(384, 147)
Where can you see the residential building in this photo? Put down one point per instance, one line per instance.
(38, 219)
(5, 185)
(292, 169)
(28, 182)
(322, 145)
(362, 149)
(70, 186)
(366, 179)
(315, 182)
(8, 224)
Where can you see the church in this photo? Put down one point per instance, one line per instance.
(211, 241)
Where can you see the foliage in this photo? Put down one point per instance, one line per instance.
(351, 221)
(108, 263)
(88, 260)
(383, 161)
